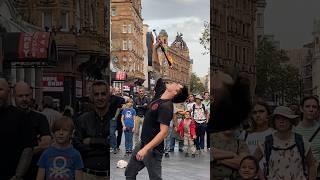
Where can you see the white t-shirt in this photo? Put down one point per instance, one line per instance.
(253, 139)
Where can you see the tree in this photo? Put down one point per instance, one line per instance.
(276, 80)
(205, 38)
(196, 87)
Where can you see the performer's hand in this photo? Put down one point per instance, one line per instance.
(124, 128)
(133, 130)
(194, 137)
(141, 154)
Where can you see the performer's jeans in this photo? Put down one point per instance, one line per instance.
(167, 141)
(128, 138)
(200, 132)
(138, 122)
(113, 139)
(152, 161)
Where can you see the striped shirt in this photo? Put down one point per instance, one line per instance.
(307, 133)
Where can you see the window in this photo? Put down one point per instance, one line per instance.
(259, 20)
(113, 11)
(64, 21)
(124, 28)
(124, 45)
(46, 19)
(129, 28)
(130, 45)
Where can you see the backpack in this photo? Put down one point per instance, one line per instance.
(268, 145)
(194, 107)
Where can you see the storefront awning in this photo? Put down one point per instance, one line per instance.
(29, 48)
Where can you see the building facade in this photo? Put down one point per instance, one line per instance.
(233, 38)
(81, 30)
(316, 58)
(127, 39)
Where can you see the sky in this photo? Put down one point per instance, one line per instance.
(291, 21)
(183, 16)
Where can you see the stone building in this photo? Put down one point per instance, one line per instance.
(81, 30)
(178, 51)
(233, 37)
(127, 39)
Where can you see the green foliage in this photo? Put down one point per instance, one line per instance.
(196, 87)
(205, 38)
(276, 80)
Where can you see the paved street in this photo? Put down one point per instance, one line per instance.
(177, 167)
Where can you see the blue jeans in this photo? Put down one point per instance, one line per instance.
(113, 138)
(128, 138)
(167, 141)
(200, 132)
(152, 161)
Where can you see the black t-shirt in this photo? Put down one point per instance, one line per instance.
(116, 102)
(40, 127)
(158, 112)
(15, 135)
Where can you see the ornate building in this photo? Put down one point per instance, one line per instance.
(127, 47)
(81, 31)
(233, 37)
(179, 52)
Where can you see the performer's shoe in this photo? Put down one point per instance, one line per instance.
(166, 155)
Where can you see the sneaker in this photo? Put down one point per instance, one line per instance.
(166, 155)
(186, 155)
(115, 151)
(171, 150)
(111, 150)
(193, 155)
(180, 150)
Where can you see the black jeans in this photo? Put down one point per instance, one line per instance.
(152, 161)
(200, 131)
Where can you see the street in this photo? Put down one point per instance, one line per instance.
(176, 167)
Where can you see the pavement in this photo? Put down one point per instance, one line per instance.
(176, 167)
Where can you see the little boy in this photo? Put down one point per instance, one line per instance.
(61, 160)
(128, 119)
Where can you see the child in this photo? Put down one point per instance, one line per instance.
(61, 160)
(127, 119)
(249, 168)
(187, 130)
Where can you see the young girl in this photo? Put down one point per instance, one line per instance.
(128, 119)
(61, 160)
(187, 130)
(249, 168)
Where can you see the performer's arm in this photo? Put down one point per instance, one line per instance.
(154, 142)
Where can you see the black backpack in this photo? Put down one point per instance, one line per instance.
(268, 146)
(194, 106)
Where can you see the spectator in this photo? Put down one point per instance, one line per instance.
(61, 160)
(16, 133)
(140, 105)
(49, 111)
(187, 130)
(91, 133)
(128, 117)
(287, 154)
(249, 168)
(40, 126)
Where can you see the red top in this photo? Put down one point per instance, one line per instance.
(192, 128)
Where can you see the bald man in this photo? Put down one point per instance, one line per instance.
(40, 125)
(15, 137)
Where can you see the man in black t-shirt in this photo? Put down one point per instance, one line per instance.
(148, 153)
(16, 138)
(40, 125)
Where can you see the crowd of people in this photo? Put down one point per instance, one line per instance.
(187, 127)
(275, 143)
(48, 144)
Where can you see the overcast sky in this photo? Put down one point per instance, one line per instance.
(183, 16)
(291, 21)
